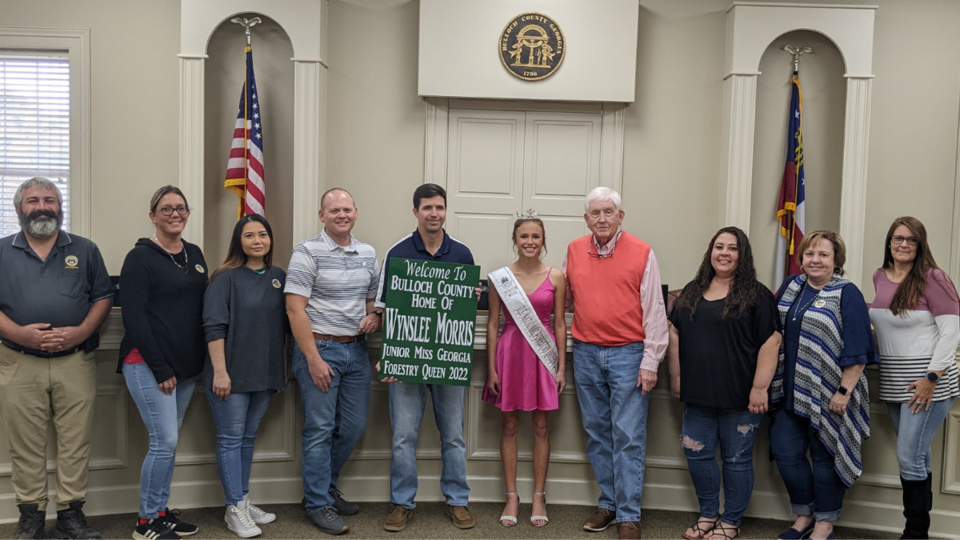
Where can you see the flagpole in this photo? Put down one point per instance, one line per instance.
(789, 208)
(247, 25)
(797, 52)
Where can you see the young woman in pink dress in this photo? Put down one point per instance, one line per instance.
(517, 379)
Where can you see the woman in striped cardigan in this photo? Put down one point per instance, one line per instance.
(916, 315)
(819, 392)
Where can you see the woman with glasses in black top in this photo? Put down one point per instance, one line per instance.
(162, 284)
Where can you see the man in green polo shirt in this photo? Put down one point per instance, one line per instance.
(54, 294)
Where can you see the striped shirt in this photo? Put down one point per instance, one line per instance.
(918, 340)
(337, 280)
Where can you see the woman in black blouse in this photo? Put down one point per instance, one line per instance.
(723, 354)
(162, 284)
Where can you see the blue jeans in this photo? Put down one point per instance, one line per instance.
(237, 419)
(162, 414)
(407, 403)
(333, 420)
(915, 432)
(818, 491)
(735, 432)
(615, 419)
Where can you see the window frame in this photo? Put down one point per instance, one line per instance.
(75, 44)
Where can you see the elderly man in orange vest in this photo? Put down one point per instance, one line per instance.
(620, 337)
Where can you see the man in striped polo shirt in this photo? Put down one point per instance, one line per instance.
(331, 285)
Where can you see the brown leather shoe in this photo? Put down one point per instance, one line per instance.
(397, 519)
(629, 530)
(599, 520)
(462, 519)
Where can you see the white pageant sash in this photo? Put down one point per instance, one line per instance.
(537, 336)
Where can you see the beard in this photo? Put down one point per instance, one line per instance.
(41, 223)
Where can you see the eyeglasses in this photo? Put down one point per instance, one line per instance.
(910, 240)
(599, 256)
(169, 210)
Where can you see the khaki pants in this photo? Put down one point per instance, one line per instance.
(32, 391)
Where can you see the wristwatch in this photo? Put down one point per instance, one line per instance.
(843, 390)
(933, 377)
(378, 313)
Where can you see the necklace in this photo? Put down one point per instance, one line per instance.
(807, 305)
(186, 257)
(261, 271)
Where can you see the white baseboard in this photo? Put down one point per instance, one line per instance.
(671, 497)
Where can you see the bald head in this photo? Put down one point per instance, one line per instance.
(335, 194)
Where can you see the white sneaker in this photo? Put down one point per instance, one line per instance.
(239, 521)
(259, 515)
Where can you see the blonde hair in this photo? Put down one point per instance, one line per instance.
(839, 249)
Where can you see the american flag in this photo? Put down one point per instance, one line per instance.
(790, 208)
(245, 167)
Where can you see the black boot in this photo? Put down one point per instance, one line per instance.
(917, 501)
(31, 521)
(71, 523)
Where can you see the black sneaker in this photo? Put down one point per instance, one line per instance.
(71, 523)
(31, 521)
(154, 529)
(182, 528)
(343, 506)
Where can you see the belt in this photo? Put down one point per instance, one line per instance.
(38, 353)
(338, 339)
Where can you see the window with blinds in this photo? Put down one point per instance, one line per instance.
(34, 129)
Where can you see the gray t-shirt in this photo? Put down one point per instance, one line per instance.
(59, 290)
(248, 311)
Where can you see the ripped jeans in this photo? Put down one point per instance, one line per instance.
(704, 428)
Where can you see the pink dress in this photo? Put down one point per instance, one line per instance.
(525, 384)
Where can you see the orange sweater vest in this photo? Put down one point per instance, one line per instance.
(606, 292)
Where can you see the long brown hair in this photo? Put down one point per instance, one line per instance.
(743, 289)
(911, 289)
(235, 255)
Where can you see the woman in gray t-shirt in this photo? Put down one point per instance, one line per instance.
(244, 326)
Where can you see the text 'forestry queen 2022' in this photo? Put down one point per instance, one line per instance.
(429, 322)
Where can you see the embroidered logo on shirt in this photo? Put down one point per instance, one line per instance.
(72, 262)
(199, 268)
(276, 283)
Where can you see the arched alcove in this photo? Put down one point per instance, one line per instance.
(824, 97)
(751, 28)
(304, 23)
(224, 74)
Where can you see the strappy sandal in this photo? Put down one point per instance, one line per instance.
(511, 520)
(712, 523)
(544, 519)
(723, 530)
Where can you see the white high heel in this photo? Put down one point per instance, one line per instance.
(512, 520)
(544, 519)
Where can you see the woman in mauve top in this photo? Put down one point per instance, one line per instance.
(916, 316)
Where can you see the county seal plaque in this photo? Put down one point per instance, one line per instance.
(532, 46)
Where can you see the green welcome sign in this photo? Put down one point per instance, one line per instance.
(429, 323)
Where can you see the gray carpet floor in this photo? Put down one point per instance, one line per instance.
(431, 521)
